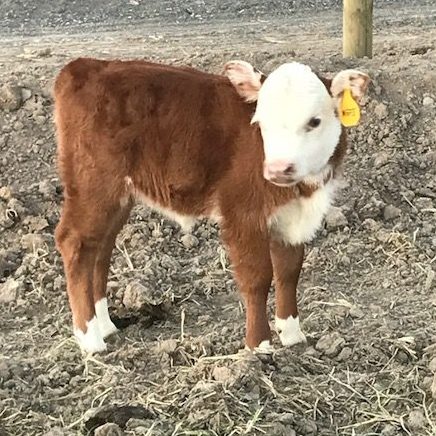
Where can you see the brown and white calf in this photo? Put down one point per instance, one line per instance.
(259, 155)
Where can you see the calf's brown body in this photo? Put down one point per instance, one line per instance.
(180, 139)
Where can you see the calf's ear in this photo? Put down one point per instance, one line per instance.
(356, 81)
(348, 88)
(246, 79)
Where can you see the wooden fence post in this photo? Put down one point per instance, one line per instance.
(357, 28)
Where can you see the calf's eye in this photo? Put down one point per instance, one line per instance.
(314, 122)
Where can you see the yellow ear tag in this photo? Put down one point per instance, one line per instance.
(349, 110)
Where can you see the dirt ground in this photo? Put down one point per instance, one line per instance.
(367, 294)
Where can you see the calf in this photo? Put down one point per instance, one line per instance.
(259, 155)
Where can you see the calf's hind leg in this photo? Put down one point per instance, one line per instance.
(101, 270)
(80, 238)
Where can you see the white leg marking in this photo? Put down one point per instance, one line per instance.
(289, 331)
(91, 341)
(264, 347)
(105, 325)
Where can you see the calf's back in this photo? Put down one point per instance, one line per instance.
(174, 134)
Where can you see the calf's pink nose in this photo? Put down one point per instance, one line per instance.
(278, 167)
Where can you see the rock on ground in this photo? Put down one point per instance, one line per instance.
(10, 97)
(391, 212)
(335, 218)
(109, 429)
(330, 344)
(9, 291)
(135, 296)
(416, 419)
(32, 241)
(433, 387)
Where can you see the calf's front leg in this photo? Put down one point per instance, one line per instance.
(287, 262)
(249, 254)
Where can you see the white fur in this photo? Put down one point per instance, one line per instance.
(215, 214)
(353, 79)
(90, 341)
(288, 99)
(289, 331)
(105, 325)
(124, 201)
(264, 347)
(186, 222)
(298, 221)
(128, 185)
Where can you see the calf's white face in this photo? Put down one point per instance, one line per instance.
(297, 116)
(299, 126)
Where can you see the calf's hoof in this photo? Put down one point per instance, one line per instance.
(265, 347)
(105, 324)
(108, 330)
(289, 331)
(92, 340)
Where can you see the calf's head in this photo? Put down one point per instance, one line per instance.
(297, 115)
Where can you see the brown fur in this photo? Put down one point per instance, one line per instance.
(183, 139)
